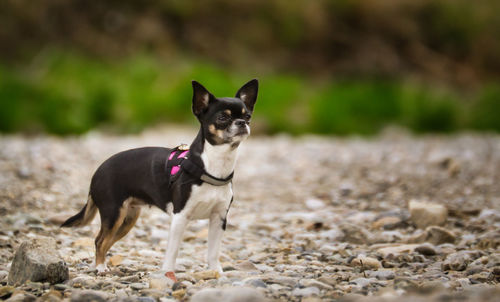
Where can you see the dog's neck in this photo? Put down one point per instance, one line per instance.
(218, 160)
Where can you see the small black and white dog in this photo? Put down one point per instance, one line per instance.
(188, 183)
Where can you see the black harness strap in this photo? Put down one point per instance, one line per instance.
(200, 173)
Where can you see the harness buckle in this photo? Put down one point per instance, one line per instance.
(183, 147)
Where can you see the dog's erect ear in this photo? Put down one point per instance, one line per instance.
(248, 93)
(201, 98)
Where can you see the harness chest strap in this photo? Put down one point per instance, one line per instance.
(178, 159)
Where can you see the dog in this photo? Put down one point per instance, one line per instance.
(188, 183)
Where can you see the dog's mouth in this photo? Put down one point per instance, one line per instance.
(242, 131)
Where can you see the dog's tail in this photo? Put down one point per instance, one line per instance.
(83, 217)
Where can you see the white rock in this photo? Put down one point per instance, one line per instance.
(397, 249)
(160, 283)
(425, 214)
(314, 204)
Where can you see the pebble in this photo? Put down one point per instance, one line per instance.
(147, 299)
(231, 294)
(438, 235)
(179, 294)
(3, 275)
(160, 283)
(88, 295)
(254, 282)
(381, 274)
(206, 275)
(356, 234)
(388, 222)
(427, 287)
(306, 292)
(139, 286)
(6, 292)
(426, 249)
(246, 266)
(282, 280)
(363, 282)
(314, 283)
(314, 204)
(457, 261)
(116, 260)
(424, 214)
(397, 249)
(366, 262)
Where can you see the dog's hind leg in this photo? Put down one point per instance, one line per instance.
(129, 222)
(106, 237)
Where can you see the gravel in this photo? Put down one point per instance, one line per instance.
(306, 211)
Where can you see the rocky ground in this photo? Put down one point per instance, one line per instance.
(314, 218)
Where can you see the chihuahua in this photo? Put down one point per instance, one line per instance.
(192, 182)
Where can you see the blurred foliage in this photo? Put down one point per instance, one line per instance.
(452, 41)
(327, 66)
(66, 94)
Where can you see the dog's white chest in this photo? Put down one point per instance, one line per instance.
(219, 161)
(206, 198)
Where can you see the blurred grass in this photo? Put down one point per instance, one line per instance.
(71, 94)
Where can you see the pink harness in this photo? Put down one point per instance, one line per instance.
(178, 159)
(176, 168)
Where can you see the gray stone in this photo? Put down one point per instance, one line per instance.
(314, 283)
(83, 281)
(381, 274)
(427, 287)
(474, 269)
(22, 297)
(438, 235)
(457, 261)
(88, 296)
(146, 299)
(38, 260)
(61, 287)
(356, 234)
(306, 292)
(255, 282)
(231, 294)
(282, 280)
(139, 286)
(3, 275)
(426, 249)
(363, 282)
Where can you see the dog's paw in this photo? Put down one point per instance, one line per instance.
(171, 276)
(217, 268)
(102, 269)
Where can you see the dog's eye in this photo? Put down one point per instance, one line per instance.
(247, 116)
(223, 118)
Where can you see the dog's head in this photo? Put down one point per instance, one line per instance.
(225, 120)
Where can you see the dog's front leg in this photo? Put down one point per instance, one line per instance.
(215, 232)
(177, 227)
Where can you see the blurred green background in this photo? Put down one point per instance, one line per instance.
(333, 67)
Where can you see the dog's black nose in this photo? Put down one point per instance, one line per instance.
(240, 123)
